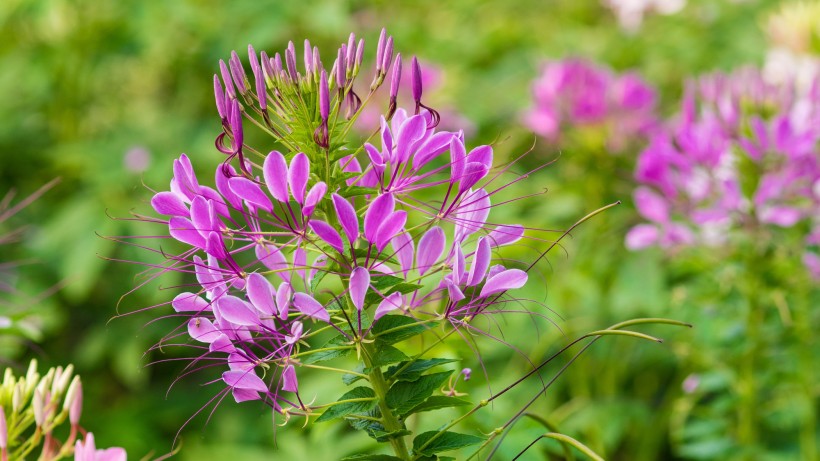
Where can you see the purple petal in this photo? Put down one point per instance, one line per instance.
(215, 247)
(314, 196)
(374, 154)
(431, 148)
(483, 155)
(507, 280)
(283, 299)
(201, 216)
(472, 173)
(393, 225)
(458, 266)
(169, 204)
(376, 215)
(184, 230)
(431, 245)
(190, 302)
(275, 171)
(202, 330)
(185, 177)
(642, 236)
(244, 380)
(272, 258)
(411, 131)
(505, 235)
(250, 192)
(244, 395)
(324, 97)
(472, 215)
(298, 177)
(327, 233)
(481, 262)
(388, 304)
(219, 97)
(403, 247)
(310, 307)
(651, 205)
(296, 329)
(289, 382)
(457, 161)
(224, 188)
(454, 292)
(237, 311)
(359, 284)
(782, 216)
(260, 293)
(347, 217)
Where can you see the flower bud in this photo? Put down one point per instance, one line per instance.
(290, 62)
(380, 51)
(238, 72)
(395, 79)
(416, 80)
(308, 57)
(340, 65)
(4, 433)
(219, 96)
(74, 401)
(359, 56)
(61, 383)
(226, 79)
(388, 54)
(17, 397)
(324, 97)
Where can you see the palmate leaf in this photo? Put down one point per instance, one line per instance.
(414, 370)
(394, 328)
(348, 408)
(403, 396)
(444, 441)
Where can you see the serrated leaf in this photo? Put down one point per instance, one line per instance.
(382, 436)
(349, 378)
(394, 328)
(387, 355)
(322, 356)
(364, 457)
(444, 441)
(404, 395)
(437, 402)
(353, 191)
(414, 370)
(365, 400)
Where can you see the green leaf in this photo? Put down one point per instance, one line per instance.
(436, 402)
(382, 436)
(353, 191)
(322, 356)
(347, 408)
(444, 442)
(387, 355)
(387, 285)
(414, 370)
(364, 457)
(394, 328)
(349, 378)
(405, 395)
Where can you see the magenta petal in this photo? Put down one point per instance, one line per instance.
(347, 217)
(250, 192)
(201, 216)
(503, 281)
(782, 216)
(202, 330)
(481, 262)
(483, 155)
(327, 233)
(377, 214)
(244, 395)
(272, 258)
(374, 154)
(505, 235)
(459, 265)
(185, 177)
(310, 307)
(410, 132)
(314, 195)
(473, 214)
(472, 173)
(184, 230)
(283, 298)
(225, 189)
(457, 161)
(387, 305)
(275, 171)
(359, 284)
(431, 245)
(244, 380)
(260, 293)
(403, 247)
(642, 236)
(431, 148)
(190, 302)
(237, 311)
(169, 204)
(289, 381)
(651, 205)
(454, 292)
(215, 247)
(394, 223)
(298, 177)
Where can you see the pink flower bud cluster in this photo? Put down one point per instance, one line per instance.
(740, 153)
(576, 93)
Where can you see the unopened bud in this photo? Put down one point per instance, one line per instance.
(388, 54)
(416, 80)
(38, 405)
(324, 98)
(290, 62)
(61, 384)
(238, 73)
(4, 432)
(359, 56)
(74, 401)
(227, 79)
(308, 57)
(17, 397)
(380, 50)
(219, 97)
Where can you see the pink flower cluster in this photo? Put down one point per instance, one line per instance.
(740, 153)
(575, 93)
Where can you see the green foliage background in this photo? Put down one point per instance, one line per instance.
(83, 82)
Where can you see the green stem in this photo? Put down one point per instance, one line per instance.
(389, 419)
(748, 387)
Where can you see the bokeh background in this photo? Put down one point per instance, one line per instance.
(105, 94)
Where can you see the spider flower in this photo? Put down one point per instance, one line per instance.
(323, 234)
(575, 93)
(741, 152)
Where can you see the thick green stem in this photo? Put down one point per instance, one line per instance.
(389, 419)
